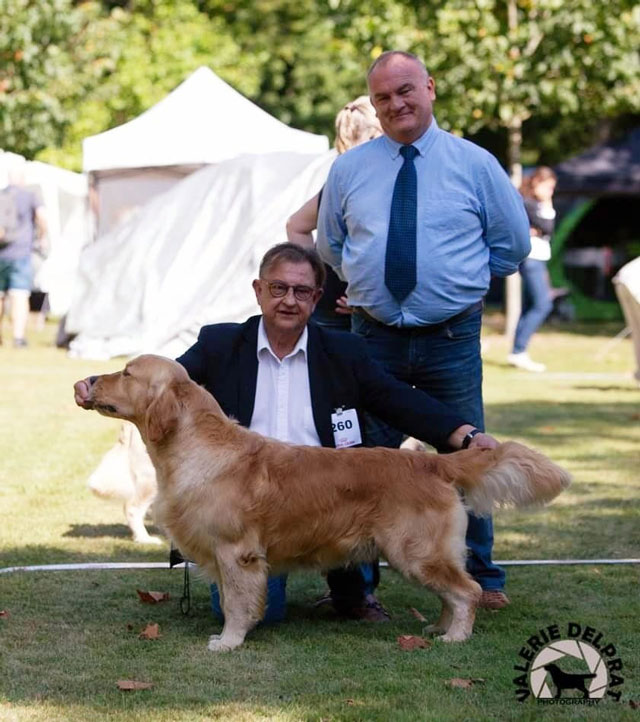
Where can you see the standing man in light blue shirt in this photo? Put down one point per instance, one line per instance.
(460, 221)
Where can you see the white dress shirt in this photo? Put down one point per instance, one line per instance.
(282, 408)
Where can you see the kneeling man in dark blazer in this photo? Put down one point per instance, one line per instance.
(289, 379)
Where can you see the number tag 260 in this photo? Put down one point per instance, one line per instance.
(345, 427)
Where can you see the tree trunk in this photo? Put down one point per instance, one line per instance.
(513, 285)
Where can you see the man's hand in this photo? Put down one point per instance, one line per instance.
(479, 441)
(483, 441)
(342, 307)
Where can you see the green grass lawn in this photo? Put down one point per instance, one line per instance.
(68, 637)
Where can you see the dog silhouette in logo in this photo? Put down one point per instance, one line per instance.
(564, 680)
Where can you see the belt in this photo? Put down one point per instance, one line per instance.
(418, 330)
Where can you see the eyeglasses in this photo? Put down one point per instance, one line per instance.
(278, 289)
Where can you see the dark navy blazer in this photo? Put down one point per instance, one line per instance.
(341, 374)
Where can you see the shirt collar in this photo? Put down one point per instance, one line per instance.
(422, 144)
(264, 345)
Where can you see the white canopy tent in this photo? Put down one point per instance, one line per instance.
(187, 258)
(203, 121)
(64, 197)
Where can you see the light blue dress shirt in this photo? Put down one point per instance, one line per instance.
(471, 224)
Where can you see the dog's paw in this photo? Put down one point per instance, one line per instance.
(434, 629)
(218, 644)
(454, 637)
(147, 540)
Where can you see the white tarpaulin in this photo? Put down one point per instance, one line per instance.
(188, 257)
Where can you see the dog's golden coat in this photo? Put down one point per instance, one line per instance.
(240, 504)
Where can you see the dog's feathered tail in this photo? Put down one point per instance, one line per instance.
(511, 475)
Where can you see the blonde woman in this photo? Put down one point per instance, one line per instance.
(356, 123)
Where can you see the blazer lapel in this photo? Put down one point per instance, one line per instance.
(319, 366)
(248, 371)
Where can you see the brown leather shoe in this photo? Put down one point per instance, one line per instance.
(493, 599)
(371, 611)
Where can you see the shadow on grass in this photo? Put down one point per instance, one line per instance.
(558, 420)
(589, 527)
(93, 531)
(605, 329)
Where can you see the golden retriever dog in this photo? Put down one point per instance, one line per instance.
(241, 505)
(126, 473)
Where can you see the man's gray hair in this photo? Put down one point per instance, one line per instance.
(385, 57)
(293, 253)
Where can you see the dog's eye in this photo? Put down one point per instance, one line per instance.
(126, 373)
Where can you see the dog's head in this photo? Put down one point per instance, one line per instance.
(144, 392)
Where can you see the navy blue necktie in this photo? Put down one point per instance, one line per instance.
(400, 260)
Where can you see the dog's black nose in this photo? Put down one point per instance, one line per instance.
(92, 379)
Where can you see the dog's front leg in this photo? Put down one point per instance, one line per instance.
(135, 512)
(243, 585)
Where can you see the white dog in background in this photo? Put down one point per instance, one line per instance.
(126, 472)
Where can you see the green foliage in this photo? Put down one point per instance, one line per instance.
(142, 54)
(560, 68)
(308, 68)
(37, 72)
(574, 61)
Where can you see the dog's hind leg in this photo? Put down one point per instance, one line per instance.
(432, 551)
(463, 603)
(444, 621)
(243, 584)
(459, 594)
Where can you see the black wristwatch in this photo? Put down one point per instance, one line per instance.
(467, 439)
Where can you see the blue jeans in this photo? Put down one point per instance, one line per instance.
(447, 365)
(16, 275)
(536, 302)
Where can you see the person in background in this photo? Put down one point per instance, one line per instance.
(537, 190)
(356, 123)
(416, 221)
(23, 220)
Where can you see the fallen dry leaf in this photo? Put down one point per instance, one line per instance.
(350, 702)
(464, 683)
(152, 597)
(408, 642)
(127, 685)
(417, 614)
(4, 613)
(633, 704)
(151, 631)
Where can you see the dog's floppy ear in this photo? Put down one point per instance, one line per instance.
(162, 415)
